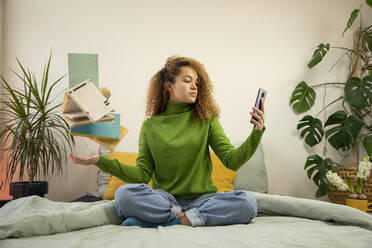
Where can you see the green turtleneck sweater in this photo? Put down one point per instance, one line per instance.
(174, 153)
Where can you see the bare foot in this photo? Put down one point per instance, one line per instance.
(184, 219)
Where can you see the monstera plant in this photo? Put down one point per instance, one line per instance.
(349, 127)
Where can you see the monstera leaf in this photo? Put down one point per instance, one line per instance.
(369, 2)
(318, 55)
(313, 131)
(367, 144)
(353, 16)
(358, 92)
(317, 169)
(346, 131)
(302, 98)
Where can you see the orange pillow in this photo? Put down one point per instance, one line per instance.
(222, 177)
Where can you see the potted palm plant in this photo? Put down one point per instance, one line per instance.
(348, 128)
(35, 138)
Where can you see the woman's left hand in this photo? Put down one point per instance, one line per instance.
(260, 116)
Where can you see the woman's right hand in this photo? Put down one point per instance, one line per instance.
(84, 161)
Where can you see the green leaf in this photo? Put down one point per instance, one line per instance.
(359, 186)
(318, 55)
(302, 98)
(322, 190)
(319, 167)
(358, 92)
(367, 144)
(350, 184)
(346, 131)
(369, 41)
(353, 16)
(313, 131)
(369, 2)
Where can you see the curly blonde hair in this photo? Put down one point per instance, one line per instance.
(205, 108)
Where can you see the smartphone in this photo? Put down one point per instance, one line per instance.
(261, 95)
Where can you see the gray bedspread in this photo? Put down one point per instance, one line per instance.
(282, 222)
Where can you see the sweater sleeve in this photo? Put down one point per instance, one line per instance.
(141, 173)
(232, 158)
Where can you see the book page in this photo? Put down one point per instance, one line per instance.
(68, 105)
(96, 111)
(86, 120)
(75, 115)
(91, 100)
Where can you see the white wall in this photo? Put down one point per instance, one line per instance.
(243, 44)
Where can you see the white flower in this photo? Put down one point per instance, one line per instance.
(364, 168)
(336, 181)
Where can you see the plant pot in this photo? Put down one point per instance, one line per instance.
(23, 189)
(362, 205)
(339, 197)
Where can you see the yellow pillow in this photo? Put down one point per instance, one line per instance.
(222, 177)
(113, 182)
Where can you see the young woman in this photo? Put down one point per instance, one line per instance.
(174, 153)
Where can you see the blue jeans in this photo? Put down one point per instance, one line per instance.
(158, 206)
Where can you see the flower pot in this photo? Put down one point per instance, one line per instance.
(362, 205)
(339, 197)
(23, 189)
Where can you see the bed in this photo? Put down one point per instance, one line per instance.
(282, 221)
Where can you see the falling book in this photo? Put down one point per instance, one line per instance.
(84, 104)
(109, 144)
(108, 130)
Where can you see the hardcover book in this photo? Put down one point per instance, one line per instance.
(84, 103)
(110, 144)
(108, 130)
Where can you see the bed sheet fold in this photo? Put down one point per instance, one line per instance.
(35, 216)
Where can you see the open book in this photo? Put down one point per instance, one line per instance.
(84, 104)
